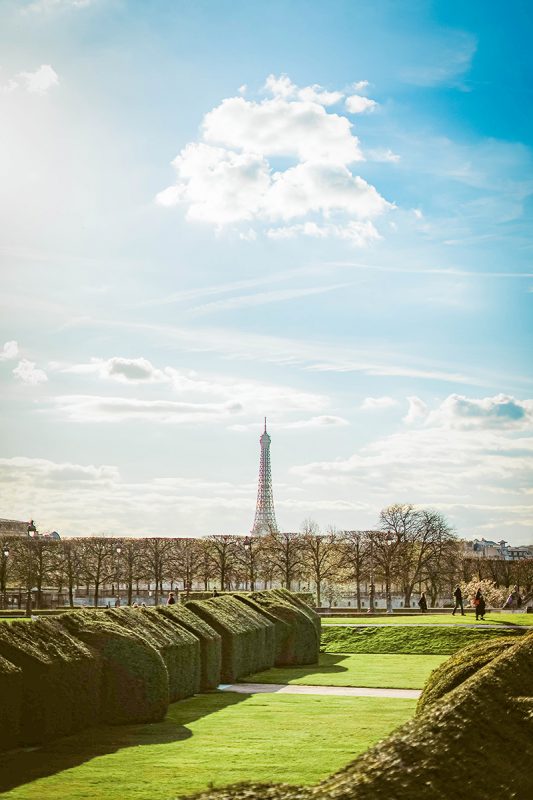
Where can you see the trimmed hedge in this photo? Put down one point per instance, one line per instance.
(296, 639)
(135, 678)
(430, 640)
(60, 679)
(10, 703)
(248, 638)
(210, 642)
(179, 649)
(295, 599)
(459, 667)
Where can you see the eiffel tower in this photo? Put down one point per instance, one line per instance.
(265, 517)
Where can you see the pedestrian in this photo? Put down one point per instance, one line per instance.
(423, 603)
(171, 599)
(215, 593)
(479, 603)
(458, 601)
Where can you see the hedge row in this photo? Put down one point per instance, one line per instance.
(248, 637)
(474, 742)
(459, 667)
(60, 680)
(125, 665)
(210, 642)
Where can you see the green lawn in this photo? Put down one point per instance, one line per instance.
(216, 738)
(433, 640)
(433, 619)
(363, 669)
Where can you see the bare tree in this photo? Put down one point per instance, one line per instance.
(98, 559)
(130, 565)
(249, 555)
(222, 549)
(412, 537)
(286, 553)
(355, 554)
(70, 565)
(156, 557)
(186, 561)
(321, 555)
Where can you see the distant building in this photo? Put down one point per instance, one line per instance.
(13, 527)
(485, 548)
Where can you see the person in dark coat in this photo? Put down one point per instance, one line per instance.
(479, 603)
(171, 599)
(423, 603)
(458, 601)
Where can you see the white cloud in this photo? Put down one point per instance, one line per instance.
(92, 408)
(417, 410)
(263, 298)
(323, 421)
(124, 370)
(360, 86)
(282, 86)
(500, 411)
(357, 104)
(9, 351)
(40, 81)
(383, 155)
(377, 403)
(28, 373)
(446, 465)
(208, 395)
(357, 233)
(231, 176)
(278, 127)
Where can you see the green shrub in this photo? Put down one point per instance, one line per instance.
(248, 638)
(61, 679)
(10, 704)
(458, 668)
(430, 640)
(296, 638)
(135, 678)
(210, 642)
(294, 599)
(179, 649)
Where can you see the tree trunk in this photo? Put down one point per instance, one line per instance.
(318, 592)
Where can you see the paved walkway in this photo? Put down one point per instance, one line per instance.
(502, 626)
(337, 691)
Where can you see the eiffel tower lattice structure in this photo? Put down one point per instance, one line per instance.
(265, 517)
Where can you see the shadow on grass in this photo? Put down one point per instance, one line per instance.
(18, 767)
(328, 664)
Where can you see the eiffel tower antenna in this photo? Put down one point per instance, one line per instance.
(265, 517)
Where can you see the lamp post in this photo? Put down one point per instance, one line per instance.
(118, 551)
(5, 556)
(248, 550)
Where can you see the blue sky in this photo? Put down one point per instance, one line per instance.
(216, 211)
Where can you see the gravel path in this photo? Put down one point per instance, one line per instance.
(336, 691)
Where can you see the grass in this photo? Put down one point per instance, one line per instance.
(363, 669)
(389, 639)
(211, 739)
(433, 619)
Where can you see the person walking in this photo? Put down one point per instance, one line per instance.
(423, 603)
(171, 600)
(479, 603)
(458, 601)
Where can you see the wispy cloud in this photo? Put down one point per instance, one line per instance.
(263, 298)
